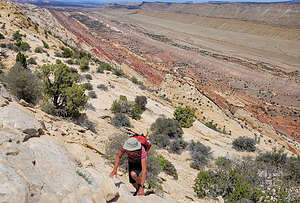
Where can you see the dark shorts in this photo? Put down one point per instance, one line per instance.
(136, 167)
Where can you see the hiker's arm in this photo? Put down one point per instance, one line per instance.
(144, 173)
(117, 161)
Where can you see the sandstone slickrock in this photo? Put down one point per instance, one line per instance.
(16, 119)
(12, 187)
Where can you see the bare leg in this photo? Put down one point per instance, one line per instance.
(136, 178)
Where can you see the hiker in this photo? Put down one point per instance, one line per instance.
(137, 164)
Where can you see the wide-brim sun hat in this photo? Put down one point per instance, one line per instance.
(132, 144)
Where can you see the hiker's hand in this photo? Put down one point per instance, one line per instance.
(141, 192)
(112, 173)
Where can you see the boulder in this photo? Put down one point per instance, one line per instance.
(4, 93)
(16, 119)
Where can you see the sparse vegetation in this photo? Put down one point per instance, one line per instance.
(62, 94)
(84, 64)
(185, 116)
(121, 120)
(244, 144)
(167, 134)
(2, 36)
(23, 83)
(39, 50)
(20, 58)
(249, 179)
(84, 176)
(167, 167)
(141, 101)
(200, 155)
(104, 66)
(92, 94)
(102, 87)
(32, 61)
(17, 36)
(21, 46)
(88, 76)
(46, 46)
(88, 86)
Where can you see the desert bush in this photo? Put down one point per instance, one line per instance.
(177, 146)
(17, 36)
(88, 76)
(100, 70)
(67, 53)
(244, 144)
(73, 71)
(120, 106)
(135, 111)
(102, 87)
(32, 61)
(166, 133)
(142, 101)
(21, 46)
(168, 127)
(23, 84)
(104, 66)
(92, 94)
(200, 155)
(61, 89)
(88, 86)
(120, 120)
(84, 64)
(167, 167)
(3, 45)
(20, 58)
(46, 46)
(70, 61)
(245, 179)
(185, 116)
(38, 50)
(2, 36)
(118, 72)
(56, 54)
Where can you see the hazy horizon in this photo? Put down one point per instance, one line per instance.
(179, 1)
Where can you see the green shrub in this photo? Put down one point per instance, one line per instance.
(120, 120)
(118, 72)
(167, 167)
(56, 54)
(100, 70)
(21, 46)
(38, 50)
(67, 53)
(135, 112)
(2, 36)
(185, 116)
(46, 46)
(17, 36)
(23, 84)
(166, 133)
(88, 86)
(200, 154)
(73, 70)
(92, 94)
(3, 45)
(120, 106)
(70, 61)
(168, 127)
(246, 179)
(102, 87)
(61, 89)
(84, 64)
(88, 76)
(123, 98)
(141, 101)
(32, 61)
(105, 66)
(244, 144)
(20, 58)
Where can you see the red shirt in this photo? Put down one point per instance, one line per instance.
(137, 156)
